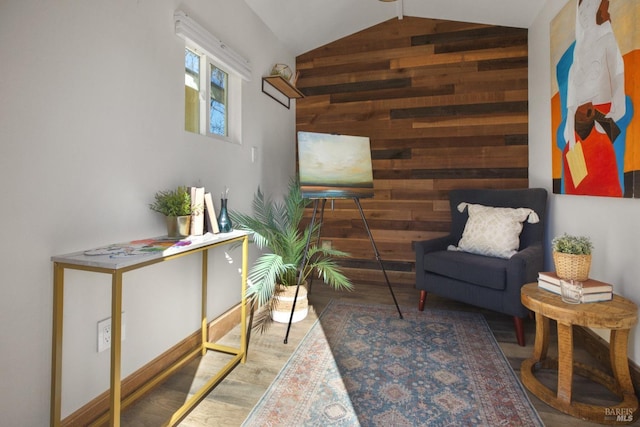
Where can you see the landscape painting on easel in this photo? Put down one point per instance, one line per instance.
(595, 55)
(334, 166)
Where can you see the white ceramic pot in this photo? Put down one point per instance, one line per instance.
(284, 297)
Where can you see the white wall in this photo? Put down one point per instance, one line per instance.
(91, 125)
(611, 223)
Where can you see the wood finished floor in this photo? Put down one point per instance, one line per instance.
(229, 403)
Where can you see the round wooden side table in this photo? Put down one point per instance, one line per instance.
(617, 315)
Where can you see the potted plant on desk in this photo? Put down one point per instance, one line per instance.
(175, 205)
(572, 256)
(276, 226)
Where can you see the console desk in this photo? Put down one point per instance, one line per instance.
(116, 266)
(617, 315)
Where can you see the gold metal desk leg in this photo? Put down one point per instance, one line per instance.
(56, 342)
(243, 301)
(116, 344)
(203, 310)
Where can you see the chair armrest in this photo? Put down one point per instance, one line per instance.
(432, 245)
(522, 268)
(525, 265)
(423, 247)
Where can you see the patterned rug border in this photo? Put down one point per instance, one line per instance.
(463, 315)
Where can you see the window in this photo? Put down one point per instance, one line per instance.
(206, 100)
(191, 91)
(218, 101)
(213, 75)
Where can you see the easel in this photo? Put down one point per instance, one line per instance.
(306, 251)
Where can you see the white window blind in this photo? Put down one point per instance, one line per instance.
(195, 34)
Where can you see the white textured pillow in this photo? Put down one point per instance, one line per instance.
(493, 231)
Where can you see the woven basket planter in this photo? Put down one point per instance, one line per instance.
(572, 267)
(284, 298)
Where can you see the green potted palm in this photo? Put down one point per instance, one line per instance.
(176, 207)
(276, 227)
(572, 256)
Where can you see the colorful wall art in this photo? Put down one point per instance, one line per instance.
(334, 166)
(595, 132)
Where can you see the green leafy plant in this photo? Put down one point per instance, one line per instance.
(575, 245)
(275, 226)
(172, 202)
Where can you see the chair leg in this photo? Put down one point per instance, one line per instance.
(519, 330)
(423, 298)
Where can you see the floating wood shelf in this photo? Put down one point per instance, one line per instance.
(284, 87)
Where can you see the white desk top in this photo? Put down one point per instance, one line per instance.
(127, 254)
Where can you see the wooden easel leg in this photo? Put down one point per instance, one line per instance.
(324, 202)
(377, 254)
(304, 260)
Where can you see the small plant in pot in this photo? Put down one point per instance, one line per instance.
(175, 205)
(572, 256)
(276, 226)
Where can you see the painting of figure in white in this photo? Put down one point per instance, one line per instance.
(592, 106)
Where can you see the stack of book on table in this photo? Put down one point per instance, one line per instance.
(202, 203)
(592, 290)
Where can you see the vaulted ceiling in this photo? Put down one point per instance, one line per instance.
(303, 25)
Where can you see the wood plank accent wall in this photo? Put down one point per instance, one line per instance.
(445, 105)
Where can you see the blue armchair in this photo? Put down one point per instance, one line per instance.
(491, 282)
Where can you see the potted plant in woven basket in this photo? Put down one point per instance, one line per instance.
(277, 227)
(572, 256)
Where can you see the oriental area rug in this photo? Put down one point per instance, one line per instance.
(363, 365)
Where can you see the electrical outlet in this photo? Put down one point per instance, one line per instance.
(326, 244)
(104, 333)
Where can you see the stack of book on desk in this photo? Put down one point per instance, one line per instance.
(592, 290)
